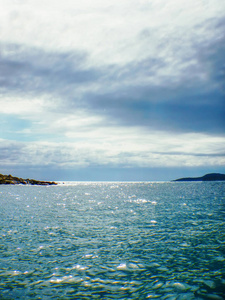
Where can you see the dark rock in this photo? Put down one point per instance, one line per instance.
(9, 179)
(207, 177)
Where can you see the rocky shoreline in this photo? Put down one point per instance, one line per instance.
(9, 179)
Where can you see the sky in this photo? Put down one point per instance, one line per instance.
(112, 90)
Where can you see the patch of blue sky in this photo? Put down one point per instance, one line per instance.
(18, 129)
(13, 127)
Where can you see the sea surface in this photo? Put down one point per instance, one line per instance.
(113, 240)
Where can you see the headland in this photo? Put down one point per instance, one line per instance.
(9, 179)
(207, 177)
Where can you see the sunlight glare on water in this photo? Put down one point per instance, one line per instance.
(113, 241)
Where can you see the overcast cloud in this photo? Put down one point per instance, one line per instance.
(131, 84)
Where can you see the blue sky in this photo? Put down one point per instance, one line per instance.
(129, 90)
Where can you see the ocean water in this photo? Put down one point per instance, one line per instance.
(113, 240)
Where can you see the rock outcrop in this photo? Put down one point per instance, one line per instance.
(9, 179)
(207, 177)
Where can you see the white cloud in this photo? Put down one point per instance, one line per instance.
(21, 106)
(118, 146)
(109, 31)
(80, 138)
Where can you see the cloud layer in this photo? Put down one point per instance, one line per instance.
(138, 83)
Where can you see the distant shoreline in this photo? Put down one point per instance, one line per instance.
(12, 180)
(207, 177)
(9, 179)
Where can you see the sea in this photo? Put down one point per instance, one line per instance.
(113, 240)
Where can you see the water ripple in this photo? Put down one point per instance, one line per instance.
(113, 241)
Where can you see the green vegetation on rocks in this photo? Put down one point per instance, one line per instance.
(9, 179)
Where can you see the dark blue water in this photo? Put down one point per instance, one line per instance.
(113, 241)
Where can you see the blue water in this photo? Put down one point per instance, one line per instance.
(113, 241)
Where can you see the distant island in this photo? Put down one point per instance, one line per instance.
(9, 179)
(207, 177)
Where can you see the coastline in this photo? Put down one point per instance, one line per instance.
(9, 179)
